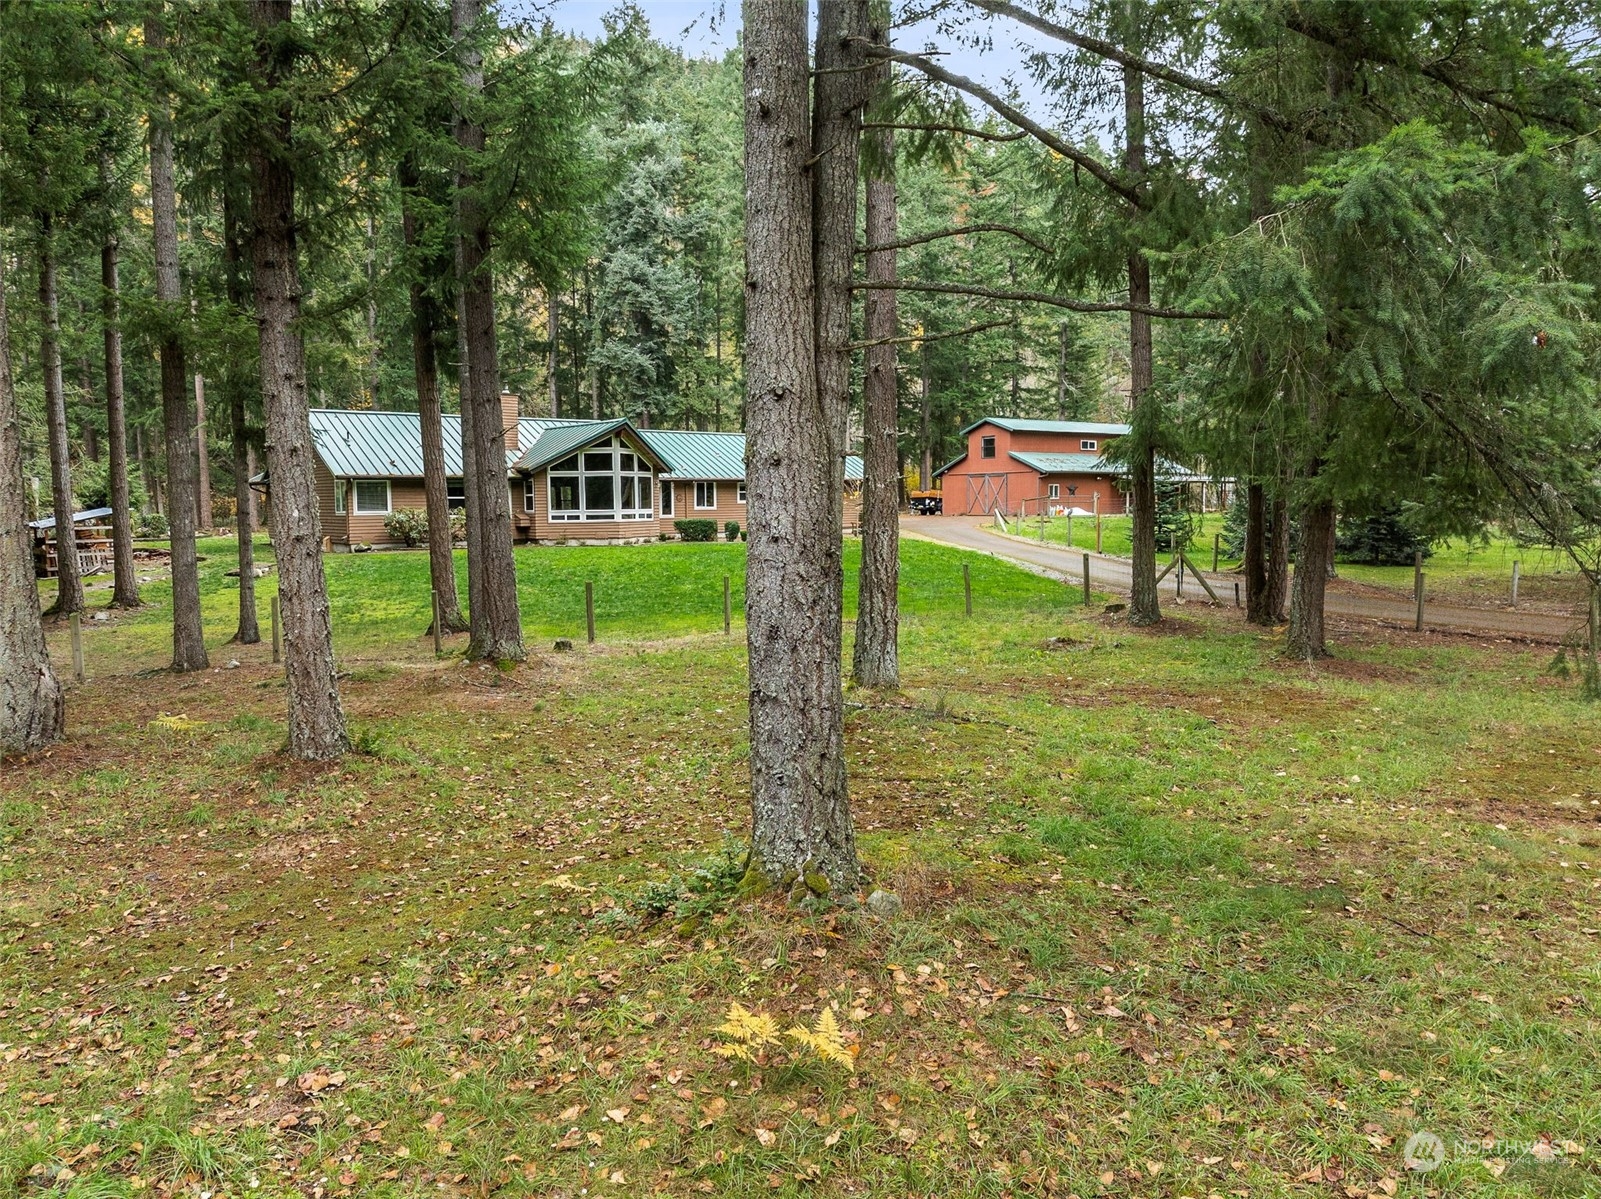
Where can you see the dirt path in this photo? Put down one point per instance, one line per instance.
(1113, 574)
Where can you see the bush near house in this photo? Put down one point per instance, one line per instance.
(731, 530)
(696, 530)
(408, 524)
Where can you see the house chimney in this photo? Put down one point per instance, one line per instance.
(508, 419)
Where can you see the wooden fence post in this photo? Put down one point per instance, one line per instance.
(589, 610)
(967, 587)
(439, 628)
(1217, 545)
(1086, 580)
(1179, 588)
(1517, 569)
(1417, 570)
(77, 648)
(1097, 526)
(1417, 587)
(277, 653)
(1236, 595)
(728, 609)
(1201, 579)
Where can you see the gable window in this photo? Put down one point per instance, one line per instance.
(456, 494)
(607, 481)
(667, 498)
(372, 497)
(739, 491)
(1055, 491)
(1089, 443)
(705, 494)
(986, 447)
(341, 487)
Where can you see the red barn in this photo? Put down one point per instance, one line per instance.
(1025, 465)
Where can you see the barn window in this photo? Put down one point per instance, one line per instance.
(986, 447)
(1055, 491)
(372, 497)
(1089, 443)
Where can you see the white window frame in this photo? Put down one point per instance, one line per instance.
(388, 498)
(739, 491)
(641, 473)
(1053, 491)
(707, 487)
(459, 483)
(528, 494)
(1088, 445)
(667, 500)
(341, 499)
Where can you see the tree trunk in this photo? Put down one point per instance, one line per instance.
(87, 430)
(925, 422)
(203, 458)
(125, 583)
(553, 332)
(875, 660)
(1276, 589)
(496, 623)
(1254, 562)
(1306, 639)
(249, 631)
(802, 836)
(425, 321)
(188, 635)
(32, 704)
(1145, 605)
(316, 720)
(69, 581)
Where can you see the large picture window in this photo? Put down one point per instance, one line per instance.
(605, 482)
(372, 497)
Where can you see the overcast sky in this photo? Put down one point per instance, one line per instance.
(710, 27)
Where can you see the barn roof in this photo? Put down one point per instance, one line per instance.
(1069, 464)
(1027, 425)
(360, 443)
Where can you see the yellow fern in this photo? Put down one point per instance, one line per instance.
(825, 1039)
(181, 723)
(747, 1032)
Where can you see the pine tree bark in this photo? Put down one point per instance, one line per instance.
(203, 458)
(1254, 559)
(425, 321)
(802, 837)
(1306, 639)
(925, 422)
(316, 720)
(552, 359)
(875, 659)
(249, 631)
(1277, 587)
(125, 582)
(32, 703)
(188, 635)
(1145, 607)
(69, 579)
(496, 633)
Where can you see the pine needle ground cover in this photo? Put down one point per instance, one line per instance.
(1178, 918)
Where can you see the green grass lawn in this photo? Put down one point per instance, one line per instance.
(1181, 918)
(380, 601)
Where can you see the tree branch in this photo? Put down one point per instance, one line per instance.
(1039, 297)
(1041, 134)
(962, 129)
(907, 242)
(923, 338)
(1105, 49)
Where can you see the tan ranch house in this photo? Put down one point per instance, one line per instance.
(570, 480)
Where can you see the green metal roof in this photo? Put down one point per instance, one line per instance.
(1020, 425)
(359, 443)
(1094, 464)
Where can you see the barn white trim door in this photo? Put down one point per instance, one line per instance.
(985, 493)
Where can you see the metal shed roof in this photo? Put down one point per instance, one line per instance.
(1087, 464)
(49, 522)
(1028, 425)
(357, 443)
